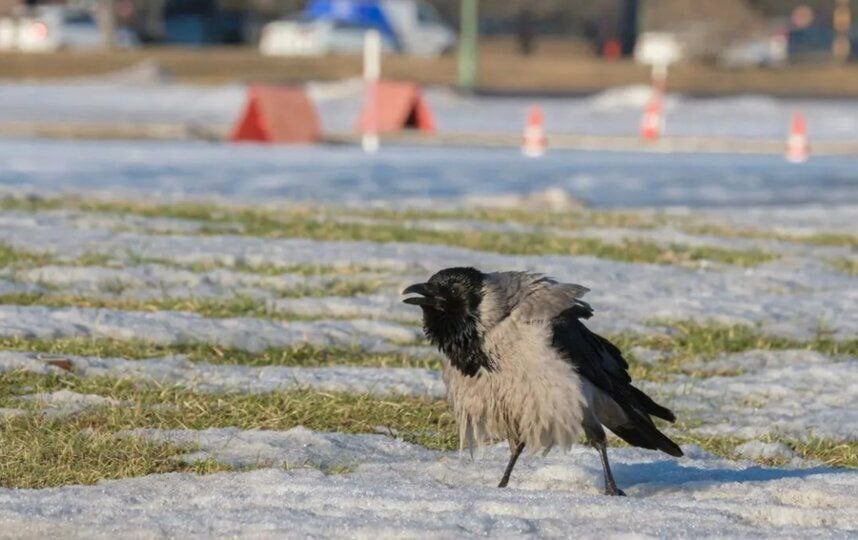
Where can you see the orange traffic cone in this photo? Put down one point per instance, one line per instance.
(535, 142)
(652, 122)
(797, 149)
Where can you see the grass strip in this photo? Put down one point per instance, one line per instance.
(312, 224)
(301, 355)
(686, 343)
(216, 308)
(846, 265)
(147, 405)
(39, 451)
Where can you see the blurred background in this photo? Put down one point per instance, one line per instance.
(559, 46)
(735, 77)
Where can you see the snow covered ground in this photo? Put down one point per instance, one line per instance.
(301, 483)
(612, 112)
(396, 174)
(394, 490)
(778, 295)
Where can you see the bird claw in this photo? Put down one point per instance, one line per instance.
(615, 492)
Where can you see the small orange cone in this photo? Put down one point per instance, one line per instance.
(535, 142)
(797, 149)
(652, 122)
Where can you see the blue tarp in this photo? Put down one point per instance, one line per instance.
(360, 13)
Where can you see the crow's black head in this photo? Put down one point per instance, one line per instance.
(451, 314)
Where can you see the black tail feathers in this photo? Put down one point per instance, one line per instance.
(639, 429)
(651, 407)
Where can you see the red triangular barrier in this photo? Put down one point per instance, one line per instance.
(277, 114)
(399, 105)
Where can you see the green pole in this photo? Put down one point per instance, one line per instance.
(468, 36)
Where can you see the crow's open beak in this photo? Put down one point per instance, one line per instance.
(425, 300)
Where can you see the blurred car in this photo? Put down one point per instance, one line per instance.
(49, 28)
(765, 51)
(338, 26)
(316, 38)
(815, 42)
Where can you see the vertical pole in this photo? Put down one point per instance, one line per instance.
(841, 48)
(106, 23)
(371, 73)
(629, 32)
(468, 41)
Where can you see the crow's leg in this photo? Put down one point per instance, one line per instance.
(596, 436)
(514, 453)
(610, 485)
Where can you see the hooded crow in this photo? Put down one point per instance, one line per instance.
(522, 367)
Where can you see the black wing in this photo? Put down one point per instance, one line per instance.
(602, 363)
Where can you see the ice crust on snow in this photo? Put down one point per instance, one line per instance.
(764, 450)
(395, 490)
(172, 327)
(294, 448)
(66, 402)
(237, 378)
(797, 393)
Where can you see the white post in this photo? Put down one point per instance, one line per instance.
(659, 75)
(371, 74)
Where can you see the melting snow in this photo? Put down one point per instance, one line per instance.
(394, 490)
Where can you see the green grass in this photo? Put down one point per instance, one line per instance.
(827, 452)
(38, 451)
(687, 343)
(16, 258)
(302, 355)
(263, 269)
(847, 266)
(569, 220)
(730, 231)
(219, 308)
(264, 221)
(316, 224)
(419, 420)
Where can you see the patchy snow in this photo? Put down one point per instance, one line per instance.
(799, 219)
(67, 403)
(237, 378)
(294, 448)
(393, 490)
(764, 450)
(795, 296)
(793, 393)
(377, 306)
(160, 281)
(796, 394)
(169, 327)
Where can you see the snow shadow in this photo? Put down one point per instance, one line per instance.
(668, 475)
